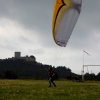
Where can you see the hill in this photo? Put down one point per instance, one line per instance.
(23, 69)
(20, 68)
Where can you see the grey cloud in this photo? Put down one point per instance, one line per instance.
(36, 51)
(8, 45)
(24, 39)
(31, 13)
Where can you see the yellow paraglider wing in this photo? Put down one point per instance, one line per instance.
(65, 15)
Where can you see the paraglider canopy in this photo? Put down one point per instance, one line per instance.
(65, 15)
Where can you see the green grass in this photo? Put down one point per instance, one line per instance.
(39, 90)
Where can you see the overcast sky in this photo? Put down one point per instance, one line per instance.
(26, 26)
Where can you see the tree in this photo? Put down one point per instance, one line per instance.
(9, 75)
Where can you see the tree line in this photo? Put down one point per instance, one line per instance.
(22, 69)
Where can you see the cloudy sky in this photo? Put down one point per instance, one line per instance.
(26, 26)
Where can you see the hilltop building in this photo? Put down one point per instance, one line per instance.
(17, 55)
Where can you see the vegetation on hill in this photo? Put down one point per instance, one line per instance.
(22, 69)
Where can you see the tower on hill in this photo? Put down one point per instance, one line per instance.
(17, 54)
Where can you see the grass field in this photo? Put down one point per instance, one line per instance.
(39, 90)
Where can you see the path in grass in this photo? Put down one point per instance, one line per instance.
(39, 90)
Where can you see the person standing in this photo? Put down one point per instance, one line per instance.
(51, 76)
